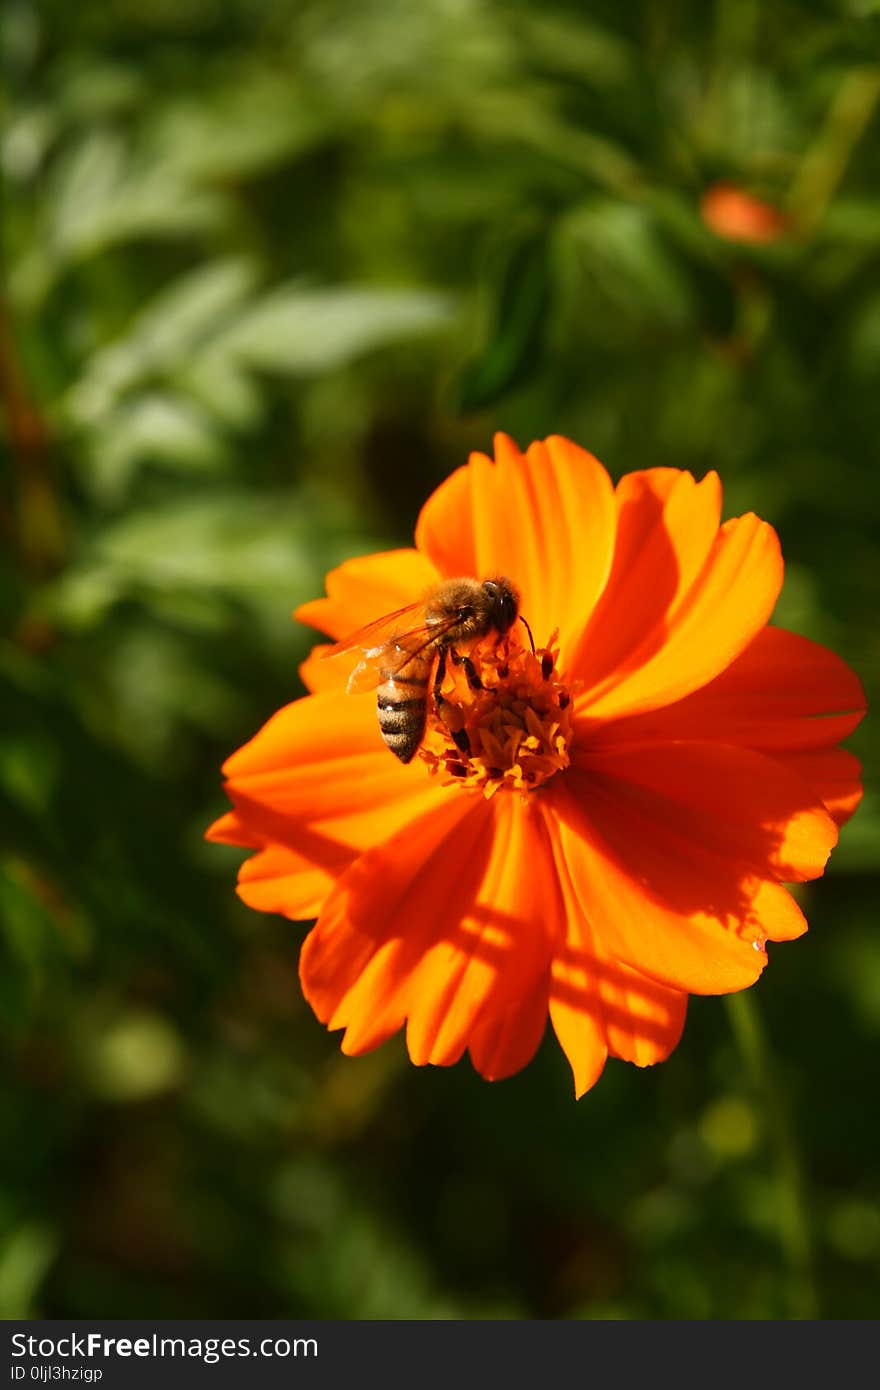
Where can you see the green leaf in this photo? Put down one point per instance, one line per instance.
(618, 247)
(520, 312)
(231, 544)
(239, 129)
(104, 194)
(163, 336)
(304, 331)
(152, 428)
(27, 1255)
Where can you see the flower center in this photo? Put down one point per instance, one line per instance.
(503, 718)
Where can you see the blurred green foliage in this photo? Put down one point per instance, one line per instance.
(269, 272)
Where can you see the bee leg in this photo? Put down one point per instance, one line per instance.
(439, 677)
(459, 736)
(470, 670)
(462, 742)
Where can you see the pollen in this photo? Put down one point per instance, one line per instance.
(503, 719)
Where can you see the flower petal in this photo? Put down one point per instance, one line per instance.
(444, 530)
(315, 787)
(783, 691)
(644, 1020)
(666, 526)
(504, 1043)
(353, 960)
(230, 829)
(280, 880)
(441, 926)
(730, 801)
(598, 1006)
(671, 909)
(319, 676)
(835, 775)
(545, 519)
(705, 629)
(358, 592)
(737, 215)
(366, 588)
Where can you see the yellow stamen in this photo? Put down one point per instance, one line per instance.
(513, 732)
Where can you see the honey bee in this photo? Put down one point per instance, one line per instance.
(400, 651)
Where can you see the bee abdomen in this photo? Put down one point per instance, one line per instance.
(402, 715)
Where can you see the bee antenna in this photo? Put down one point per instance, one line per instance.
(529, 631)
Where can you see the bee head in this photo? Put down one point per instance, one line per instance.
(505, 603)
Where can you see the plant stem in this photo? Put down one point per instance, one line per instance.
(36, 527)
(794, 1225)
(825, 162)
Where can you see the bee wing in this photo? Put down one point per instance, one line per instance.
(369, 671)
(387, 644)
(375, 635)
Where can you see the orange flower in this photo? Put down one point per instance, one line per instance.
(736, 215)
(612, 830)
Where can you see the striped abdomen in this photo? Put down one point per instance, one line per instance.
(402, 699)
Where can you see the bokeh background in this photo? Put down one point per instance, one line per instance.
(270, 270)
